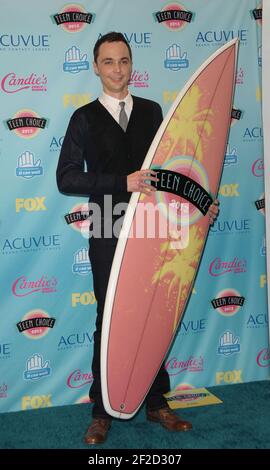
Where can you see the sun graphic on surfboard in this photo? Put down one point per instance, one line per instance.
(176, 268)
(195, 125)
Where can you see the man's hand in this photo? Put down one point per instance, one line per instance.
(137, 181)
(213, 211)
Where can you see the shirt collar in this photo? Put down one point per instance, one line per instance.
(113, 103)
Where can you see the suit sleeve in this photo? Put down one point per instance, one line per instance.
(70, 174)
(157, 116)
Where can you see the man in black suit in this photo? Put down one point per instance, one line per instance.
(112, 139)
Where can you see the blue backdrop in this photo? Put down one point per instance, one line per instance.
(47, 301)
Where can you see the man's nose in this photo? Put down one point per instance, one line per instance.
(117, 67)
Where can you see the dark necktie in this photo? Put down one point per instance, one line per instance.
(123, 119)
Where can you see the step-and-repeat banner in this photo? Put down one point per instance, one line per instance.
(266, 125)
(48, 306)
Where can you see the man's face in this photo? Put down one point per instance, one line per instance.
(114, 68)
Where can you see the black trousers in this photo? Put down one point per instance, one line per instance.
(101, 253)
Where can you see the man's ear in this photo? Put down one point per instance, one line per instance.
(95, 68)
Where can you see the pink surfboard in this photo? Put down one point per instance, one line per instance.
(164, 234)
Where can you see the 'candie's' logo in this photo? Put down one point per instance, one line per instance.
(228, 302)
(3, 390)
(73, 18)
(26, 123)
(173, 16)
(78, 379)
(239, 79)
(263, 358)
(22, 287)
(258, 168)
(12, 83)
(193, 364)
(219, 267)
(36, 324)
(139, 79)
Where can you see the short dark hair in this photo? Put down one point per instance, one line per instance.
(110, 37)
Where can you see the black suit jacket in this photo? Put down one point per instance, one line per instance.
(94, 138)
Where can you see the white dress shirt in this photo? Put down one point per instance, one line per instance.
(112, 105)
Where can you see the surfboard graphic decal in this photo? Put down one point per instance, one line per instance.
(152, 278)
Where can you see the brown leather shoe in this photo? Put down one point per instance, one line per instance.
(168, 419)
(97, 431)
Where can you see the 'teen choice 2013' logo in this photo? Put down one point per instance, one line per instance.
(22, 287)
(78, 218)
(26, 123)
(13, 83)
(236, 115)
(256, 14)
(191, 184)
(73, 18)
(260, 204)
(228, 302)
(36, 324)
(173, 16)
